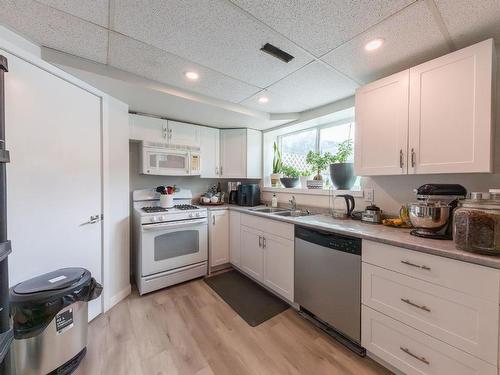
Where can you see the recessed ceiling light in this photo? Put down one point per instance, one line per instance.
(263, 99)
(193, 76)
(374, 44)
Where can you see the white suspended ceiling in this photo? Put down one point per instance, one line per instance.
(160, 40)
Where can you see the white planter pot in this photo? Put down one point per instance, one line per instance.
(303, 181)
(167, 200)
(275, 179)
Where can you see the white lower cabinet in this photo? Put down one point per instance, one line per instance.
(252, 253)
(414, 352)
(268, 255)
(278, 264)
(234, 238)
(218, 234)
(420, 314)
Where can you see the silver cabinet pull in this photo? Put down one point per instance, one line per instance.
(216, 170)
(260, 241)
(413, 161)
(93, 219)
(401, 159)
(421, 359)
(415, 265)
(221, 170)
(213, 219)
(263, 242)
(421, 307)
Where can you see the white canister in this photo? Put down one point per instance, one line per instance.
(167, 200)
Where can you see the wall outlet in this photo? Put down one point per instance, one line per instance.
(369, 195)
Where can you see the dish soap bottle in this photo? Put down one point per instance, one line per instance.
(274, 201)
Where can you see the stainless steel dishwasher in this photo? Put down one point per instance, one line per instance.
(328, 283)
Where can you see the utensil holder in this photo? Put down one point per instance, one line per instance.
(167, 200)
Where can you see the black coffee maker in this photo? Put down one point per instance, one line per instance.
(432, 213)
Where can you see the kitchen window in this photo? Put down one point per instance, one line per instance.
(325, 138)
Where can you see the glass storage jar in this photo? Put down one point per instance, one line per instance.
(476, 224)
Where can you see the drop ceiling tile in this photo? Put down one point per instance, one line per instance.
(153, 63)
(276, 103)
(410, 37)
(52, 28)
(214, 33)
(470, 21)
(96, 11)
(315, 84)
(321, 25)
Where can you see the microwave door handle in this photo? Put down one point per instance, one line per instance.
(183, 223)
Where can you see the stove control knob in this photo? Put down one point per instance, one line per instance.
(197, 214)
(162, 218)
(154, 218)
(190, 216)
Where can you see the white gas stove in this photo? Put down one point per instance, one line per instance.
(171, 244)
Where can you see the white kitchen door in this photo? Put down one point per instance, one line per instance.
(53, 132)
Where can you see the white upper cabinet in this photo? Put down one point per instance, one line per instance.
(210, 152)
(146, 128)
(382, 126)
(181, 133)
(433, 118)
(451, 112)
(241, 153)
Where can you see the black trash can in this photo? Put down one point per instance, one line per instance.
(50, 319)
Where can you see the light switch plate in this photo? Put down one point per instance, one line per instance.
(369, 195)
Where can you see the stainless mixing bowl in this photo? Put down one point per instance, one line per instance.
(429, 215)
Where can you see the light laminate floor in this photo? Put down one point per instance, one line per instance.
(188, 329)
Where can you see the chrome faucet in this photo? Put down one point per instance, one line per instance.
(292, 204)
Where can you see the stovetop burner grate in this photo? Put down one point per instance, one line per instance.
(154, 209)
(186, 207)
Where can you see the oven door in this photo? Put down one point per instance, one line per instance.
(165, 162)
(167, 246)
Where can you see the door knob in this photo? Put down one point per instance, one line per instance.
(93, 220)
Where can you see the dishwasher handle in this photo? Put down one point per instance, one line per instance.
(330, 240)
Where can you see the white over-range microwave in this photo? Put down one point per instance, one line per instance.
(169, 160)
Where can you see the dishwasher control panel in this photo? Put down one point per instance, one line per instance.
(331, 240)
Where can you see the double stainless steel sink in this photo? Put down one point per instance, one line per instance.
(281, 212)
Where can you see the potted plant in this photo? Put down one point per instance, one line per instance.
(304, 176)
(341, 171)
(277, 166)
(318, 163)
(290, 177)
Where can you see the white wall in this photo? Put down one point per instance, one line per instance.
(393, 191)
(116, 225)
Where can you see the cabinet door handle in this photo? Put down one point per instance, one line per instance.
(421, 359)
(263, 242)
(260, 241)
(401, 159)
(216, 170)
(415, 265)
(221, 170)
(421, 307)
(413, 158)
(213, 220)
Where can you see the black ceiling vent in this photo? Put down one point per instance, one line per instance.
(276, 52)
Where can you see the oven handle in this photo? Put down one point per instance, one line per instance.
(174, 224)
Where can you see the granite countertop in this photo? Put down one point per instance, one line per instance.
(379, 233)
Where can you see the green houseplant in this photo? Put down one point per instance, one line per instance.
(277, 166)
(290, 177)
(318, 162)
(341, 171)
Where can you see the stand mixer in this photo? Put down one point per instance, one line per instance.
(432, 214)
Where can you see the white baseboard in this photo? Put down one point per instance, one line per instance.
(122, 294)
